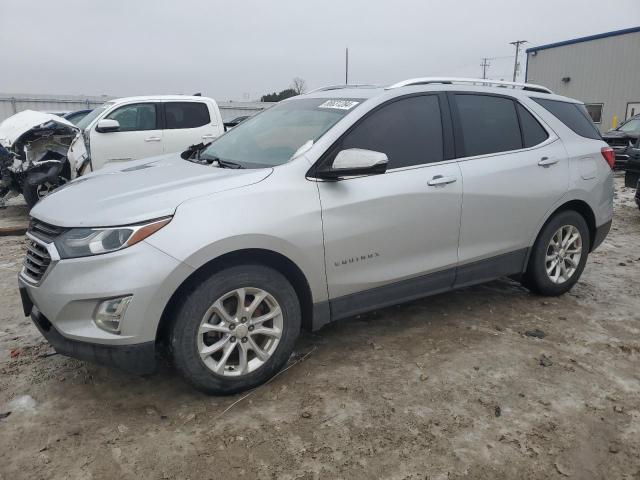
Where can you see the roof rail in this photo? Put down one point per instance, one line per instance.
(340, 87)
(482, 81)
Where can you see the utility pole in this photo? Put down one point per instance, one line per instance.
(346, 66)
(516, 65)
(485, 64)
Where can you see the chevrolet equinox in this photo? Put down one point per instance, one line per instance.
(344, 200)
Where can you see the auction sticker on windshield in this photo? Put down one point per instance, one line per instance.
(339, 104)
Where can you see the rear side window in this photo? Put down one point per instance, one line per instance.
(409, 131)
(573, 115)
(489, 124)
(532, 131)
(186, 115)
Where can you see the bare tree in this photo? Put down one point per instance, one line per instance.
(299, 85)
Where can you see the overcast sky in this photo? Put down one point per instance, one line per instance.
(239, 49)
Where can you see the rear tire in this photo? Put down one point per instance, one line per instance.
(221, 348)
(559, 255)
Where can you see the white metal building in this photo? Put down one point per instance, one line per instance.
(601, 70)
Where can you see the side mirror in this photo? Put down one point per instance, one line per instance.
(355, 162)
(108, 125)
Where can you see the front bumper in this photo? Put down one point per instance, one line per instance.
(71, 290)
(139, 359)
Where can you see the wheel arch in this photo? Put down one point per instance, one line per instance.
(270, 258)
(577, 205)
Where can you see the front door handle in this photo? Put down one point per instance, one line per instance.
(208, 137)
(152, 139)
(440, 180)
(547, 162)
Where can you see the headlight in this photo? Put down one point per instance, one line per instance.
(83, 242)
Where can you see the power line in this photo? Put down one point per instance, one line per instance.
(485, 64)
(516, 65)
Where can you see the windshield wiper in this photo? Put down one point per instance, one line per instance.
(218, 162)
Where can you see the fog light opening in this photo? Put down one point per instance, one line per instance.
(110, 313)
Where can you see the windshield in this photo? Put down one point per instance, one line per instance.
(272, 137)
(631, 126)
(86, 121)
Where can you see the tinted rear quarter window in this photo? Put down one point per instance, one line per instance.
(532, 132)
(573, 115)
(489, 124)
(186, 115)
(409, 131)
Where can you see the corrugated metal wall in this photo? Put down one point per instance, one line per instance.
(605, 70)
(14, 103)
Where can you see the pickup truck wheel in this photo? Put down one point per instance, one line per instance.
(559, 255)
(236, 329)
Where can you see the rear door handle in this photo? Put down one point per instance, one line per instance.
(547, 162)
(152, 139)
(440, 180)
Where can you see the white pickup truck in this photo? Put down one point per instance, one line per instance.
(139, 127)
(47, 150)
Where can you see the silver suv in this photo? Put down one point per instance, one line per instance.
(343, 200)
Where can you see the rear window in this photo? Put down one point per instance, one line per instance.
(532, 131)
(186, 115)
(573, 115)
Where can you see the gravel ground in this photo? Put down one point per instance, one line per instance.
(443, 388)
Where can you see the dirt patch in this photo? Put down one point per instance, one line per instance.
(487, 382)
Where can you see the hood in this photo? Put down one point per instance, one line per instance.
(14, 129)
(138, 191)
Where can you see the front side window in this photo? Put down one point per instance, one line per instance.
(186, 114)
(573, 115)
(273, 136)
(135, 117)
(489, 124)
(408, 131)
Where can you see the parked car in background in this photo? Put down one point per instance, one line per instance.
(327, 205)
(35, 161)
(77, 115)
(624, 138)
(632, 166)
(138, 127)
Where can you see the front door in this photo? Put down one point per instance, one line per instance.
(139, 136)
(394, 236)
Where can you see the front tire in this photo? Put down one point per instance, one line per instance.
(559, 255)
(236, 329)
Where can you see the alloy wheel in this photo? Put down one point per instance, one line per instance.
(563, 254)
(240, 331)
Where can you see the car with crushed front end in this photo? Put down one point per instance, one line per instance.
(333, 203)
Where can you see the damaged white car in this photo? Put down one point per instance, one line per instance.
(33, 154)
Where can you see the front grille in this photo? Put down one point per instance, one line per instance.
(37, 260)
(618, 142)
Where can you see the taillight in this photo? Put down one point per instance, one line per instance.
(609, 155)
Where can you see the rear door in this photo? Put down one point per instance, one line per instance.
(187, 123)
(139, 135)
(514, 169)
(394, 236)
